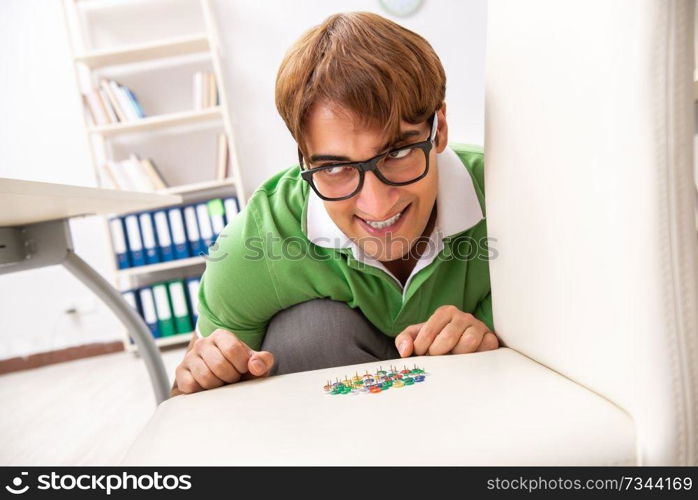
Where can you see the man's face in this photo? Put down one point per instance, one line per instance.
(336, 132)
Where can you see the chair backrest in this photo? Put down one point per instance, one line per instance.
(590, 203)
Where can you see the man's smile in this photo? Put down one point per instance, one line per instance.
(381, 227)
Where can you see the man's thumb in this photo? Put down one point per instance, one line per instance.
(260, 363)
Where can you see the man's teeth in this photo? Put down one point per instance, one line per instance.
(384, 223)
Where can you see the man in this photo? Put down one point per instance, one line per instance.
(374, 247)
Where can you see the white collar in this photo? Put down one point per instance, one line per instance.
(458, 207)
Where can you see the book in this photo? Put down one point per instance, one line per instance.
(108, 90)
(222, 157)
(154, 173)
(212, 90)
(134, 102)
(124, 101)
(97, 112)
(104, 101)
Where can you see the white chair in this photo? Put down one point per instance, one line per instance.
(590, 198)
(590, 207)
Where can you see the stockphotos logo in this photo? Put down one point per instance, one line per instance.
(17, 487)
(106, 483)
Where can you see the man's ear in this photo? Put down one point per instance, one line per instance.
(442, 130)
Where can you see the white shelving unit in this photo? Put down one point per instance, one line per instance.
(107, 54)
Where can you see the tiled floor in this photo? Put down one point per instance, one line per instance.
(84, 412)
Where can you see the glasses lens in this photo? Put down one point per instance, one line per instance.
(403, 165)
(336, 182)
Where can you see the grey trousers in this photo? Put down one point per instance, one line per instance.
(323, 333)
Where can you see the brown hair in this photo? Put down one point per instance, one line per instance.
(365, 63)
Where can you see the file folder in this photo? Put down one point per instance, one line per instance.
(148, 310)
(152, 255)
(232, 208)
(179, 236)
(130, 297)
(164, 239)
(180, 309)
(166, 323)
(205, 228)
(193, 296)
(116, 227)
(216, 211)
(196, 244)
(135, 244)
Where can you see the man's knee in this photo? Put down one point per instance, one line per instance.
(322, 333)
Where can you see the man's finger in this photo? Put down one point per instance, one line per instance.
(404, 341)
(219, 365)
(234, 350)
(489, 342)
(203, 376)
(430, 330)
(185, 381)
(470, 340)
(260, 363)
(449, 336)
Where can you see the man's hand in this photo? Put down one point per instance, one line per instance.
(219, 359)
(448, 331)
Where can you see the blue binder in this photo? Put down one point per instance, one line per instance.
(148, 310)
(135, 243)
(205, 227)
(192, 285)
(133, 300)
(196, 244)
(150, 245)
(232, 208)
(118, 236)
(163, 237)
(179, 235)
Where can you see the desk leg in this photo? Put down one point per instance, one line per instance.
(136, 327)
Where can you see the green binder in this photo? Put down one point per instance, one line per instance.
(166, 323)
(180, 309)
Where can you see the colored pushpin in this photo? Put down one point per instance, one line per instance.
(419, 378)
(398, 384)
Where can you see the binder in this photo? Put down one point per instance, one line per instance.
(196, 244)
(166, 323)
(116, 227)
(130, 297)
(205, 228)
(150, 246)
(135, 243)
(232, 208)
(216, 211)
(162, 233)
(179, 236)
(180, 309)
(193, 296)
(148, 310)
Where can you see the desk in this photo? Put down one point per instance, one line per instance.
(34, 232)
(487, 408)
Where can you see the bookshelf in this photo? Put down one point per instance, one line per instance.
(155, 57)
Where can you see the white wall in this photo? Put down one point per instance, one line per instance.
(41, 134)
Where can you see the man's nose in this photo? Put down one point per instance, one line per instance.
(376, 198)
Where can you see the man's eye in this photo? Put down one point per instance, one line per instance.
(339, 169)
(399, 153)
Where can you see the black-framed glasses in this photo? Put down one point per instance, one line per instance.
(397, 167)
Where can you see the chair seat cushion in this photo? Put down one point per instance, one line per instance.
(490, 408)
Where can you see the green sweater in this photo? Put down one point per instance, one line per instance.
(263, 262)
